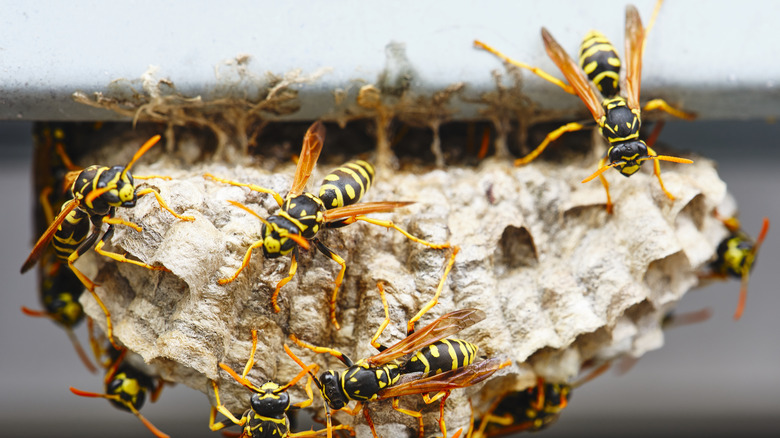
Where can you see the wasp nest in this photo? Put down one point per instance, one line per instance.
(562, 282)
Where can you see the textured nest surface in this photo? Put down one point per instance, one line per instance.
(561, 281)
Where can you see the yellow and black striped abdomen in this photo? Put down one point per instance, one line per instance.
(71, 233)
(441, 356)
(600, 61)
(259, 426)
(346, 184)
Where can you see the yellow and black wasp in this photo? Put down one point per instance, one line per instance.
(126, 385)
(59, 288)
(97, 192)
(736, 255)
(423, 362)
(614, 106)
(302, 215)
(267, 415)
(532, 409)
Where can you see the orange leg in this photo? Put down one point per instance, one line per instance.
(435, 299)
(244, 264)
(283, 281)
(606, 185)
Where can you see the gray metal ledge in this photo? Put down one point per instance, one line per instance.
(712, 57)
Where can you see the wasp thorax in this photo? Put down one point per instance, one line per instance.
(270, 404)
(619, 121)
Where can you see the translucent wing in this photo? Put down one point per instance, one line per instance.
(312, 146)
(453, 379)
(635, 39)
(40, 246)
(362, 208)
(574, 75)
(444, 326)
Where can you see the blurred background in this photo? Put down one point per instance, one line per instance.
(717, 378)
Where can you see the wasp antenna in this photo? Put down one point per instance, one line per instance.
(96, 193)
(146, 146)
(601, 170)
(667, 158)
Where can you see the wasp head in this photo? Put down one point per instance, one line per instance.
(129, 388)
(331, 390)
(275, 240)
(627, 157)
(120, 185)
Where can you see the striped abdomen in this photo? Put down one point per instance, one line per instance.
(441, 356)
(347, 184)
(71, 233)
(600, 61)
(259, 426)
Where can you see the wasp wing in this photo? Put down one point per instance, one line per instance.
(69, 179)
(362, 208)
(40, 246)
(444, 326)
(635, 42)
(574, 75)
(447, 381)
(312, 146)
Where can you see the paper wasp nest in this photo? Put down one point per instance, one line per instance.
(561, 281)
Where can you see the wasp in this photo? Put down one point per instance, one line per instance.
(267, 415)
(532, 409)
(126, 385)
(303, 215)
(59, 289)
(97, 192)
(421, 363)
(736, 255)
(614, 105)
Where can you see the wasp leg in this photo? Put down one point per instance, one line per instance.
(552, 136)
(256, 188)
(162, 203)
(536, 70)
(285, 280)
(222, 410)
(660, 104)
(489, 417)
(43, 198)
(370, 422)
(321, 432)
(335, 353)
(119, 257)
(390, 224)
(80, 350)
(657, 172)
(244, 263)
(435, 299)
(145, 177)
(85, 246)
(385, 323)
(117, 221)
(339, 278)
(604, 182)
(415, 414)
